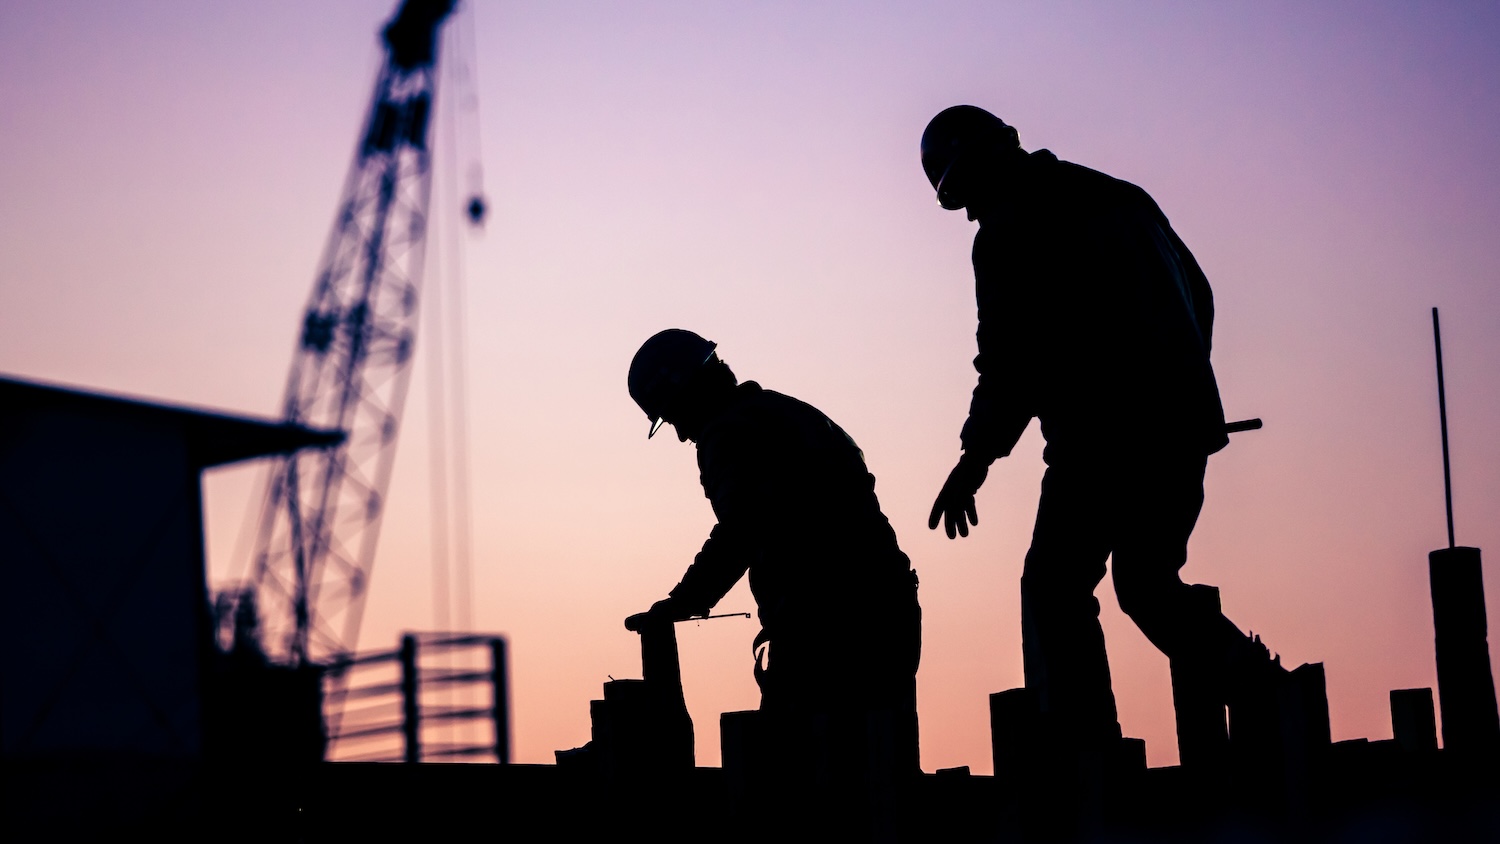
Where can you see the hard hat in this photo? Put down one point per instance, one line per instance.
(662, 367)
(957, 143)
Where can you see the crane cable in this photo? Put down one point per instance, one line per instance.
(451, 499)
(448, 430)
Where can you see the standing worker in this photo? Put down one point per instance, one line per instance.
(1095, 319)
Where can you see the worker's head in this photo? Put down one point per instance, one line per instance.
(676, 377)
(965, 150)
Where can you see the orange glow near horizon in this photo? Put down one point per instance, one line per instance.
(751, 174)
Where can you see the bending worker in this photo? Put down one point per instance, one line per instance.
(1095, 319)
(796, 509)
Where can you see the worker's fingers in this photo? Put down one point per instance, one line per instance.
(956, 516)
(953, 523)
(954, 506)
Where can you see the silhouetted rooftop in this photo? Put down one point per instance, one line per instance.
(213, 437)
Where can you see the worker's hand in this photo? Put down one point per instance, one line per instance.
(955, 503)
(664, 611)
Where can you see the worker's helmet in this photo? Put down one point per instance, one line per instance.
(662, 367)
(957, 145)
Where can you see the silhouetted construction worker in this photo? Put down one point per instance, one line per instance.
(1095, 319)
(797, 510)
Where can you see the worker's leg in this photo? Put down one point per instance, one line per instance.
(837, 749)
(888, 662)
(1062, 641)
(1155, 508)
(1212, 661)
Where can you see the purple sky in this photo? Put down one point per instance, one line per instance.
(749, 171)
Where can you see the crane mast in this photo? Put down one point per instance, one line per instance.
(321, 517)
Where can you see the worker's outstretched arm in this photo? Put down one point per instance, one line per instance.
(1003, 402)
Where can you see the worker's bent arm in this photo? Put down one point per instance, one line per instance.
(714, 572)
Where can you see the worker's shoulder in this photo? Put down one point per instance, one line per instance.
(746, 413)
(760, 425)
(756, 401)
(774, 418)
(1087, 180)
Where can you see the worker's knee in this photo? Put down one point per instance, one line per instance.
(1167, 611)
(1151, 598)
(1053, 594)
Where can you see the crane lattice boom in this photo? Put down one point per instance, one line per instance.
(322, 512)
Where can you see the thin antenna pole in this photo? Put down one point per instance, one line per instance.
(1437, 342)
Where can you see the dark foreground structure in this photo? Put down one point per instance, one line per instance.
(1369, 792)
(124, 712)
(113, 694)
(1363, 792)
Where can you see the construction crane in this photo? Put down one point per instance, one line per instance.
(321, 516)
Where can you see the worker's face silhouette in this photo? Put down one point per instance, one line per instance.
(985, 185)
(984, 179)
(703, 398)
(683, 416)
(688, 418)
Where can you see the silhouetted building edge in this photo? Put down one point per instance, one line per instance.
(108, 654)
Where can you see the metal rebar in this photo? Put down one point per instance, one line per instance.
(1437, 342)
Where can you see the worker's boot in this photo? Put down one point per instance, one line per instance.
(1219, 667)
(1240, 718)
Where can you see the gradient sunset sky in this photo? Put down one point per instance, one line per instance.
(749, 171)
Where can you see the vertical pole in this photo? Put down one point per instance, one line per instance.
(500, 682)
(1466, 682)
(411, 727)
(1437, 342)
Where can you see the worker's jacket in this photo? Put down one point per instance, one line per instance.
(1093, 318)
(796, 508)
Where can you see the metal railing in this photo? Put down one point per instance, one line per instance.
(438, 697)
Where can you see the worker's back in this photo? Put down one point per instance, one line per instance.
(1095, 315)
(793, 490)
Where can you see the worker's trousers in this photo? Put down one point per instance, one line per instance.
(1140, 515)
